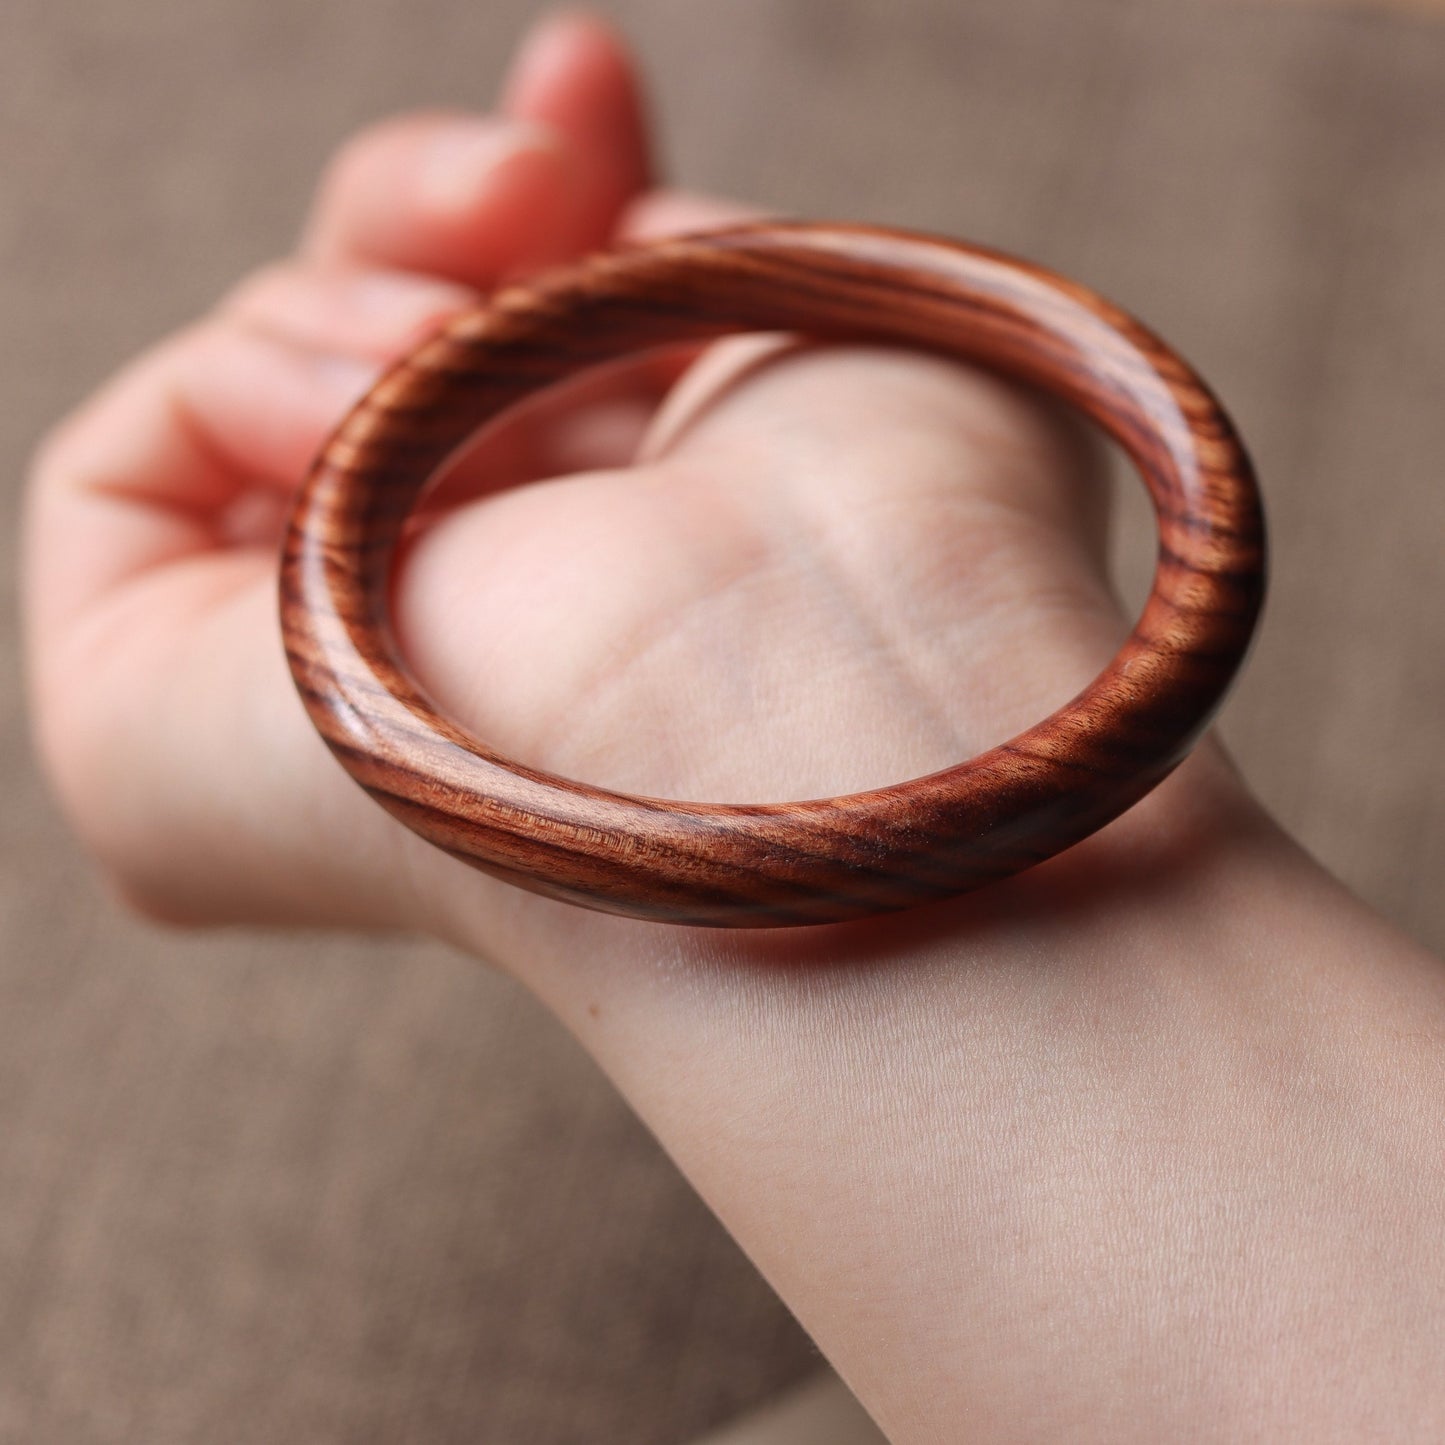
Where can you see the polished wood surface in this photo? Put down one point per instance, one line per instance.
(777, 863)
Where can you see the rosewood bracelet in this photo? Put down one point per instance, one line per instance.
(778, 863)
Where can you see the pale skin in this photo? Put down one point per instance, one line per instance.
(1143, 1145)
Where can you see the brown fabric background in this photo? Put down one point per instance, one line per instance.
(259, 1189)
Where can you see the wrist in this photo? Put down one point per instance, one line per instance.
(1082, 1097)
(1200, 813)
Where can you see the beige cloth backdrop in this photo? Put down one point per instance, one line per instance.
(268, 1189)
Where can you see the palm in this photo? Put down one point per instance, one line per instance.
(793, 594)
(844, 568)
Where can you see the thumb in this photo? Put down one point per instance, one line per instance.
(575, 77)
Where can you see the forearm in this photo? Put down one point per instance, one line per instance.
(1141, 1146)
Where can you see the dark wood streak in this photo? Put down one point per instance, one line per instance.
(827, 859)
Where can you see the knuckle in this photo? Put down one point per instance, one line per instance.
(259, 292)
(77, 762)
(375, 144)
(82, 443)
(57, 446)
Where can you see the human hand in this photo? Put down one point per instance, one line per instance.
(162, 706)
(990, 1151)
(891, 525)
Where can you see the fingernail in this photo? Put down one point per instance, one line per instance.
(544, 50)
(341, 380)
(386, 303)
(462, 158)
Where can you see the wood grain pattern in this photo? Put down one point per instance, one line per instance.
(827, 859)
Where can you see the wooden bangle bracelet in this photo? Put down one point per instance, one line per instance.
(785, 863)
